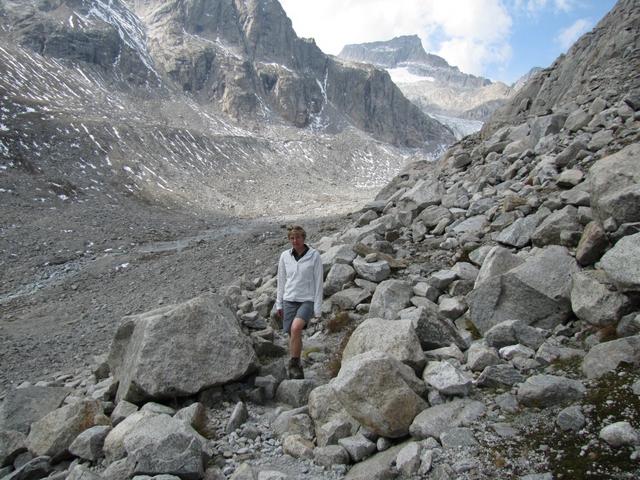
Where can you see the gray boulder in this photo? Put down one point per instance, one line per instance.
(372, 388)
(339, 275)
(447, 379)
(295, 392)
(12, 444)
(619, 434)
(433, 421)
(435, 331)
(426, 192)
(358, 446)
(622, 263)
(549, 390)
(592, 245)
(123, 410)
(605, 357)
(397, 338)
(349, 298)
(497, 261)
(593, 301)
(480, 356)
(89, 444)
(338, 254)
(571, 419)
(551, 228)
(53, 434)
(207, 348)
(330, 455)
(615, 186)
(519, 233)
(499, 376)
(23, 406)
(536, 292)
(160, 444)
(379, 467)
(390, 297)
(373, 271)
(114, 443)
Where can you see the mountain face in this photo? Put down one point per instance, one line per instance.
(188, 103)
(429, 81)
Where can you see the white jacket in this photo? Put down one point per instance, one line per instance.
(300, 281)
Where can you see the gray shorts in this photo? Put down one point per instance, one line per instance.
(292, 310)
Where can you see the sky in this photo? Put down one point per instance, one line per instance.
(498, 39)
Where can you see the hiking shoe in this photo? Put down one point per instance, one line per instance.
(295, 369)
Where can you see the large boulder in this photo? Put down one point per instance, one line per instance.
(339, 275)
(593, 301)
(615, 186)
(536, 292)
(338, 254)
(548, 390)
(551, 228)
(374, 389)
(435, 331)
(179, 350)
(622, 263)
(160, 444)
(23, 406)
(390, 297)
(606, 357)
(373, 271)
(433, 421)
(498, 260)
(53, 434)
(395, 337)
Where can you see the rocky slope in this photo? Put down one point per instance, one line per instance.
(481, 320)
(431, 83)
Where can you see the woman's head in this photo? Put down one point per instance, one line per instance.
(296, 230)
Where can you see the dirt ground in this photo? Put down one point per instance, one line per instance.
(69, 274)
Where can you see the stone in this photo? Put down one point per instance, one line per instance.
(338, 254)
(324, 405)
(89, 444)
(577, 119)
(570, 178)
(549, 390)
(268, 384)
(434, 331)
(619, 434)
(499, 376)
(615, 186)
(349, 298)
(480, 356)
(519, 233)
(570, 154)
(372, 271)
(244, 472)
(471, 225)
(295, 392)
(593, 301)
(501, 335)
(238, 417)
(433, 421)
(497, 261)
(397, 338)
(433, 215)
(446, 353)
(123, 410)
(629, 325)
(207, 349)
(549, 353)
(447, 379)
(53, 434)
(426, 192)
(12, 444)
(332, 431)
(82, 472)
(458, 437)
(408, 460)
(512, 351)
(549, 231)
(576, 197)
(423, 289)
(298, 447)
(196, 416)
(118, 470)
(159, 444)
(366, 218)
(390, 297)
(607, 356)
(24, 406)
(452, 308)
(536, 292)
(527, 335)
(114, 443)
(34, 469)
(331, 455)
(622, 263)
(337, 278)
(378, 467)
(571, 419)
(442, 279)
(358, 446)
(294, 422)
(372, 389)
(158, 409)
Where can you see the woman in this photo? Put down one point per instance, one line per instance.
(299, 295)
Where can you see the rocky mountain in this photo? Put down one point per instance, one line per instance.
(162, 95)
(518, 84)
(481, 320)
(431, 83)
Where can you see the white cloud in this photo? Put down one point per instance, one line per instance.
(569, 35)
(467, 33)
(535, 7)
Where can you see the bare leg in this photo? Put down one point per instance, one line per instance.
(295, 340)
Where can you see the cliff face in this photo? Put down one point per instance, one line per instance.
(242, 55)
(602, 63)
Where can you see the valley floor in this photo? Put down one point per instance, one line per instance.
(70, 274)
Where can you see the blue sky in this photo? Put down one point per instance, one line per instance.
(498, 39)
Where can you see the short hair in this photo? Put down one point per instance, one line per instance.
(296, 230)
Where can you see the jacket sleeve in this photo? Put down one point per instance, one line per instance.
(318, 273)
(282, 278)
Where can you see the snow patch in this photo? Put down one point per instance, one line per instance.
(403, 75)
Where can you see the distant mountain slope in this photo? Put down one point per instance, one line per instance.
(429, 81)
